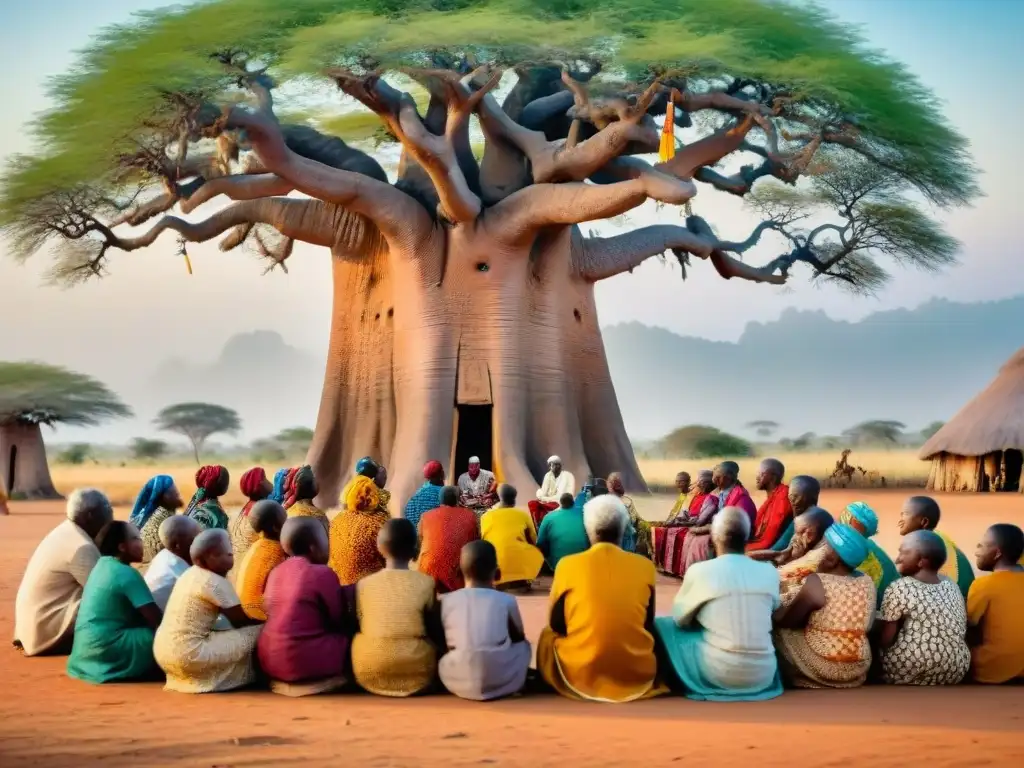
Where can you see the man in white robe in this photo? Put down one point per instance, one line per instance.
(556, 482)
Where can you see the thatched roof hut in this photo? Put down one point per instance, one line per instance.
(982, 447)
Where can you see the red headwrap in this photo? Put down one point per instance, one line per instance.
(289, 487)
(252, 480)
(432, 468)
(208, 477)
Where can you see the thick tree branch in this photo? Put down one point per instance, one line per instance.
(243, 187)
(604, 257)
(521, 215)
(398, 217)
(708, 150)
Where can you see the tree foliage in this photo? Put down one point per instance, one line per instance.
(34, 393)
(763, 427)
(147, 449)
(197, 422)
(697, 442)
(878, 431)
(928, 432)
(129, 135)
(74, 454)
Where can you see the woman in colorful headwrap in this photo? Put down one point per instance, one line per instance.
(255, 486)
(299, 494)
(280, 479)
(158, 500)
(878, 565)
(822, 634)
(354, 532)
(212, 482)
(428, 496)
(642, 543)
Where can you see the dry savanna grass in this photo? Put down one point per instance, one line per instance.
(899, 468)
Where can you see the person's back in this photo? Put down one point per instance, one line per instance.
(741, 596)
(561, 534)
(511, 532)
(995, 604)
(51, 590)
(606, 594)
(443, 533)
(482, 662)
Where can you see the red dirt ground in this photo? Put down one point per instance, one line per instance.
(47, 719)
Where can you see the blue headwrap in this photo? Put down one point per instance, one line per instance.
(861, 517)
(847, 542)
(149, 499)
(278, 493)
(364, 464)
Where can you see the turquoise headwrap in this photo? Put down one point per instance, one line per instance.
(149, 499)
(861, 517)
(364, 465)
(847, 542)
(278, 493)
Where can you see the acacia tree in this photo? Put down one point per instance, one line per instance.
(465, 275)
(763, 427)
(31, 395)
(879, 431)
(197, 422)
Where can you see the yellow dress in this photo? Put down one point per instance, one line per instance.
(307, 509)
(996, 604)
(513, 535)
(607, 653)
(391, 655)
(195, 657)
(251, 578)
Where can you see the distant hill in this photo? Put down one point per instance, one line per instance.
(272, 385)
(811, 373)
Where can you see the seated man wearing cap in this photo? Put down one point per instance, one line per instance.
(556, 482)
(478, 489)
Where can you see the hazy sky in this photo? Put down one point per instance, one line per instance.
(121, 328)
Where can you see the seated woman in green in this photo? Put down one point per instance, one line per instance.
(118, 616)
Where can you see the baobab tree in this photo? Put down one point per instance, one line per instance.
(464, 317)
(33, 395)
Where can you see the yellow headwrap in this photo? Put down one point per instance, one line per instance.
(361, 495)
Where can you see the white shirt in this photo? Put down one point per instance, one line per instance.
(553, 487)
(163, 573)
(51, 589)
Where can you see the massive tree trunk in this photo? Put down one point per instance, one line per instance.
(466, 319)
(23, 465)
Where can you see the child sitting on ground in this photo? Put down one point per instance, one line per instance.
(267, 518)
(488, 655)
(395, 651)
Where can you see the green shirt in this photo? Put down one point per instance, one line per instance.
(112, 640)
(562, 533)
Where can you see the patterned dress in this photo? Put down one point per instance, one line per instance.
(391, 655)
(306, 508)
(242, 535)
(196, 658)
(150, 533)
(832, 651)
(353, 537)
(210, 514)
(443, 533)
(931, 648)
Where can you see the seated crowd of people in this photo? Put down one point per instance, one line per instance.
(784, 594)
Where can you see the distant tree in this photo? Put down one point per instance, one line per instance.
(33, 394)
(803, 442)
(879, 431)
(144, 449)
(697, 441)
(830, 442)
(197, 421)
(763, 427)
(74, 454)
(931, 429)
(294, 439)
(267, 449)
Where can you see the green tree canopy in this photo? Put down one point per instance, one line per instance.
(197, 422)
(878, 431)
(931, 429)
(147, 449)
(698, 442)
(763, 427)
(34, 393)
(124, 139)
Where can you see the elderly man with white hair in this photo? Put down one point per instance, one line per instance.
(599, 642)
(718, 640)
(557, 481)
(51, 589)
(478, 489)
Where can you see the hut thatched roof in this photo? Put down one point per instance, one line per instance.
(992, 421)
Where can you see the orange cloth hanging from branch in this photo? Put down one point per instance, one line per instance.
(667, 148)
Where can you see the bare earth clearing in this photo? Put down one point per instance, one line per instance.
(48, 720)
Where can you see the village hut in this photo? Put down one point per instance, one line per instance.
(982, 447)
